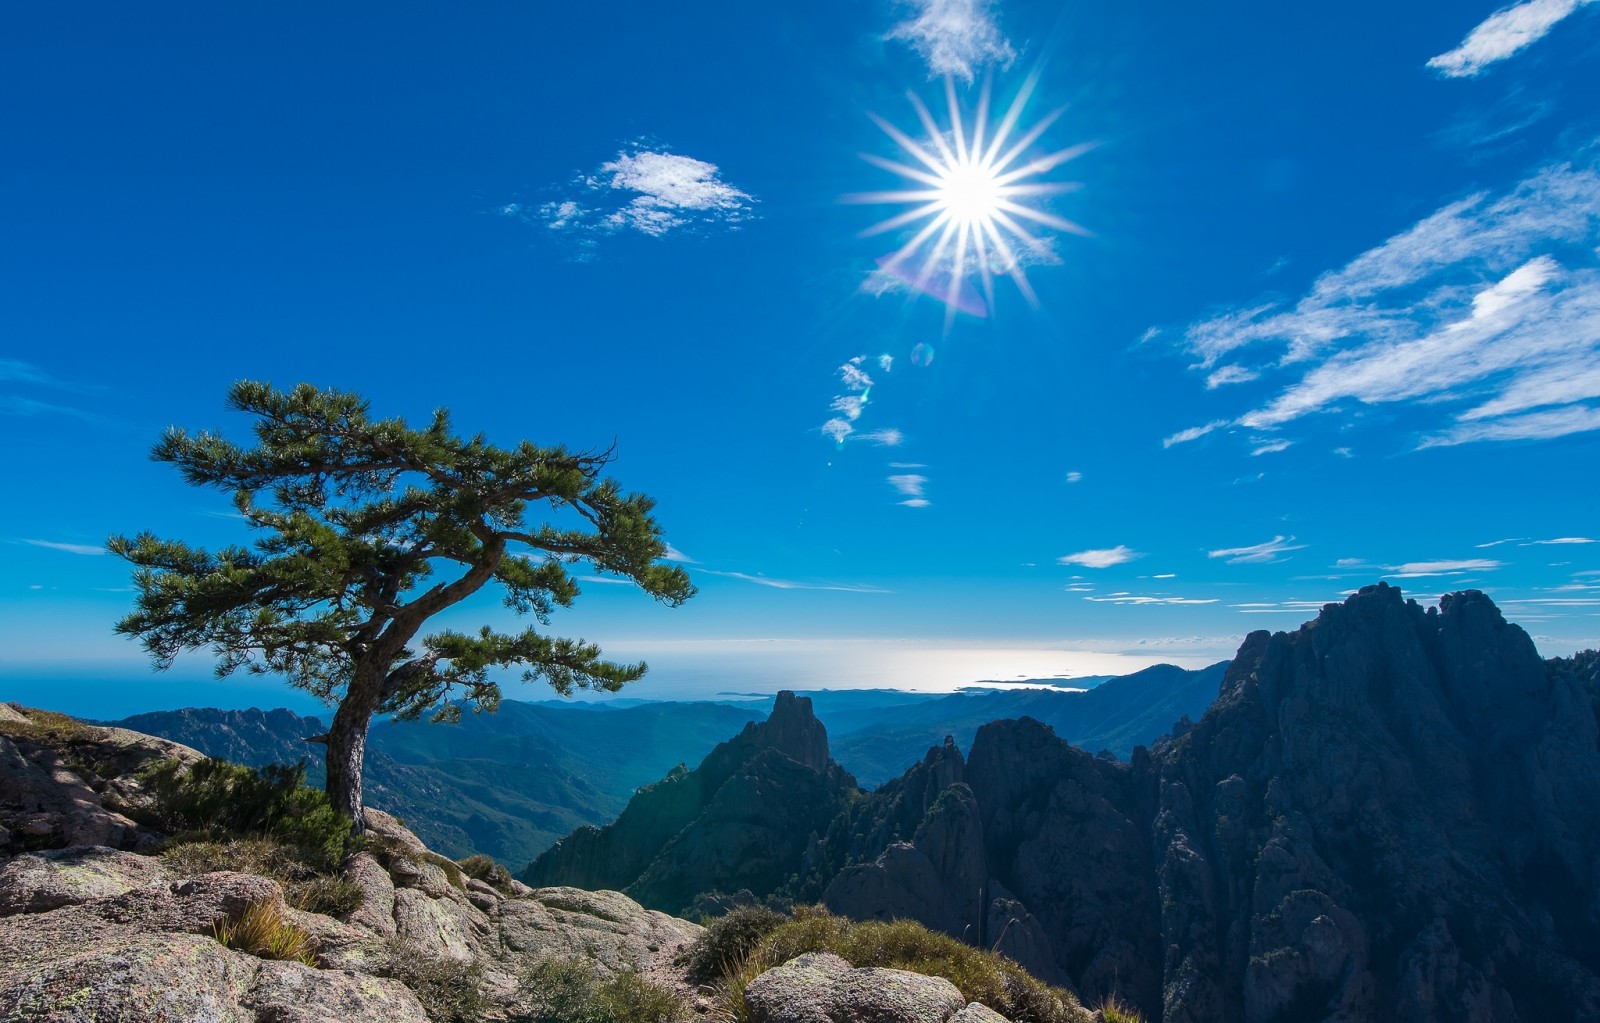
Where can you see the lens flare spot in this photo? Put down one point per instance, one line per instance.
(922, 355)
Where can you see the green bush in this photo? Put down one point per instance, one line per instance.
(220, 799)
(981, 976)
(572, 991)
(727, 941)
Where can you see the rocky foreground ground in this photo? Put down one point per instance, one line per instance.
(95, 926)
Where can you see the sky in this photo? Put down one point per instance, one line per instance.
(953, 339)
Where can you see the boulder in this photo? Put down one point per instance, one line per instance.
(34, 882)
(823, 988)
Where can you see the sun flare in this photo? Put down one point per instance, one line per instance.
(969, 192)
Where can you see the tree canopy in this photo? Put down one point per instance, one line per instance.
(367, 529)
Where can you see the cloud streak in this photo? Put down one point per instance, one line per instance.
(1486, 312)
(1503, 34)
(70, 548)
(1267, 553)
(787, 584)
(910, 486)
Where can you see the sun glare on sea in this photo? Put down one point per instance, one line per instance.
(976, 192)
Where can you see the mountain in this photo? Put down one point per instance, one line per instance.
(1118, 714)
(1388, 814)
(741, 820)
(506, 784)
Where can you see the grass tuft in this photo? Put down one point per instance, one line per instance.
(488, 870)
(728, 941)
(263, 931)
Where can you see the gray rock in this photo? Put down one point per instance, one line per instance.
(976, 1012)
(35, 882)
(823, 988)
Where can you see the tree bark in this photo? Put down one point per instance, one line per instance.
(347, 748)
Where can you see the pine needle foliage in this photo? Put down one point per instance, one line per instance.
(367, 528)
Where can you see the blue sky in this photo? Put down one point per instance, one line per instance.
(1331, 312)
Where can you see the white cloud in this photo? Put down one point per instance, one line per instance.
(1074, 477)
(849, 406)
(1103, 557)
(910, 486)
(604, 579)
(1193, 433)
(886, 362)
(1268, 447)
(648, 191)
(70, 548)
(1486, 312)
(787, 584)
(1129, 598)
(888, 438)
(838, 429)
(853, 377)
(1503, 34)
(1259, 554)
(673, 554)
(1225, 375)
(954, 37)
(907, 465)
(1428, 569)
(1566, 540)
(1299, 607)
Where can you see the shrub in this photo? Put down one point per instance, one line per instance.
(488, 870)
(571, 991)
(727, 942)
(451, 991)
(221, 799)
(263, 931)
(981, 976)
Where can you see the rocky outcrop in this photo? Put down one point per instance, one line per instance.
(64, 783)
(96, 932)
(742, 819)
(820, 987)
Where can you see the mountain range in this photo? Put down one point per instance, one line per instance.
(509, 784)
(1387, 814)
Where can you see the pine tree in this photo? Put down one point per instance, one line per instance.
(367, 530)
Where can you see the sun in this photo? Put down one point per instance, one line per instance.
(969, 192)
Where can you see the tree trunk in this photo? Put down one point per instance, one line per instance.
(347, 750)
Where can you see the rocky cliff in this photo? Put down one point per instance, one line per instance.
(742, 819)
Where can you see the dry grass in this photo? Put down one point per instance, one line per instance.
(981, 976)
(263, 931)
(1116, 1010)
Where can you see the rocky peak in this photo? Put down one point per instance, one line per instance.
(793, 730)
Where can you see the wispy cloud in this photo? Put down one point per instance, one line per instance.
(1565, 540)
(1429, 569)
(788, 584)
(1193, 433)
(1130, 598)
(1273, 607)
(1486, 312)
(910, 486)
(1503, 34)
(646, 190)
(1267, 553)
(673, 554)
(954, 37)
(850, 406)
(1102, 557)
(609, 581)
(1074, 477)
(70, 548)
(1224, 375)
(1268, 447)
